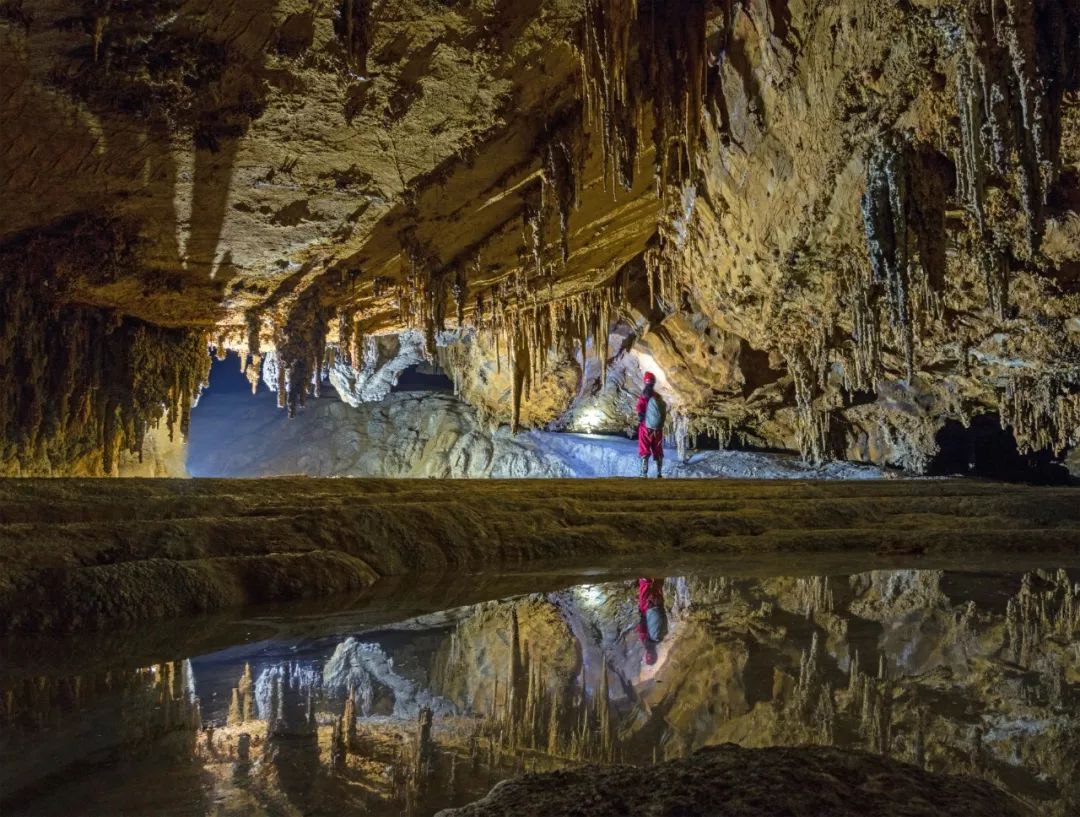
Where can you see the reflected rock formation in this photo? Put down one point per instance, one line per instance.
(957, 673)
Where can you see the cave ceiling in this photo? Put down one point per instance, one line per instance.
(832, 225)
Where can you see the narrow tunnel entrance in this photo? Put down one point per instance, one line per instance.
(424, 377)
(985, 449)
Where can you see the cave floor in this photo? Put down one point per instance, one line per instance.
(90, 554)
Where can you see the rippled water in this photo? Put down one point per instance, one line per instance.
(400, 706)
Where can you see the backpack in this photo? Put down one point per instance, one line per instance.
(655, 413)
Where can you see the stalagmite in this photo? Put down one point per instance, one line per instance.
(246, 688)
(234, 709)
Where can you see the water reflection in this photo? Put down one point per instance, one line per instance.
(959, 672)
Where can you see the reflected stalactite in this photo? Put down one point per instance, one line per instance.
(1046, 607)
(901, 663)
(814, 594)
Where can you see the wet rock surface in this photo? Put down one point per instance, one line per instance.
(889, 691)
(152, 548)
(727, 781)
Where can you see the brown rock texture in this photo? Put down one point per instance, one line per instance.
(729, 781)
(152, 549)
(832, 226)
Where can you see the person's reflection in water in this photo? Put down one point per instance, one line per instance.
(652, 625)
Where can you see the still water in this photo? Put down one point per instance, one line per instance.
(403, 706)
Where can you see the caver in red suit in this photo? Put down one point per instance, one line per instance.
(652, 413)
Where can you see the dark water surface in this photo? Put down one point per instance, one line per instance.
(425, 692)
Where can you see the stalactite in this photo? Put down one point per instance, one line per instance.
(346, 328)
(82, 384)
(864, 368)
(301, 347)
(422, 292)
(563, 161)
(641, 56)
(252, 362)
(668, 275)
(529, 334)
(807, 366)
(686, 429)
(608, 90)
(1012, 73)
(1043, 412)
(460, 289)
(676, 61)
(534, 224)
(903, 217)
(1008, 118)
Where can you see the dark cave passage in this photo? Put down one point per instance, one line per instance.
(985, 449)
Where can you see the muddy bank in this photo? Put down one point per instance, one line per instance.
(729, 781)
(83, 554)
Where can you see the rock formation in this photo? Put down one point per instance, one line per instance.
(832, 227)
(961, 685)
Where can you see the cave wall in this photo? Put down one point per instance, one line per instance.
(832, 227)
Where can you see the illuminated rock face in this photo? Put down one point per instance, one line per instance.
(831, 227)
(438, 435)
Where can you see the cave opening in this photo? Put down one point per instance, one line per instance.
(985, 449)
(227, 377)
(423, 377)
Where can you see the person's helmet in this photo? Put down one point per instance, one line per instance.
(650, 378)
(650, 654)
